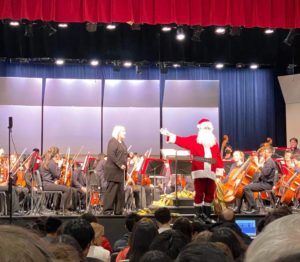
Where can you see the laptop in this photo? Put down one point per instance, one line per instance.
(248, 226)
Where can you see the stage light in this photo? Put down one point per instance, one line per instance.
(166, 28)
(127, 64)
(219, 65)
(197, 31)
(269, 31)
(253, 66)
(180, 35)
(111, 27)
(289, 40)
(239, 65)
(62, 25)
(176, 65)
(220, 30)
(94, 62)
(59, 61)
(91, 27)
(14, 23)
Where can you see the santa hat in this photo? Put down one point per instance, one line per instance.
(203, 123)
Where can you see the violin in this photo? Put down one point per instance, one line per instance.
(95, 199)
(20, 181)
(3, 171)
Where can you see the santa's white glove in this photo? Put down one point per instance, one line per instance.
(166, 132)
(219, 172)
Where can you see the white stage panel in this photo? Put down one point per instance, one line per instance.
(20, 91)
(191, 93)
(183, 121)
(142, 127)
(73, 92)
(26, 129)
(131, 93)
(73, 127)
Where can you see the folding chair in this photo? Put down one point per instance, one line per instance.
(39, 195)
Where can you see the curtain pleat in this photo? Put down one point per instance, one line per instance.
(248, 13)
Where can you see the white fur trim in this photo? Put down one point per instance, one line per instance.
(198, 204)
(219, 172)
(206, 124)
(172, 139)
(203, 174)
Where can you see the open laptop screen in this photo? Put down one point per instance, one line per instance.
(248, 226)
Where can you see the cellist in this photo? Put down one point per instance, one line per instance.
(265, 179)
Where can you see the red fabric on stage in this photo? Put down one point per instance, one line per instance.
(248, 13)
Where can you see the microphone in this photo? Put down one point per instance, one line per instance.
(10, 122)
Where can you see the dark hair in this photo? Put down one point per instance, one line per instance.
(170, 242)
(230, 238)
(198, 227)
(36, 150)
(294, 139)
(184, 225)
(143, 233)
(206, 252)
(162, 215)
(52, 224)
(155, 256)
(289, 258)
(89, 217)
(130, 221)
(81, 230)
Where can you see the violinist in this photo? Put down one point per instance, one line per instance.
(50, 173)
(265, 179)
(32, 166)
(294, 145)
(114, 170)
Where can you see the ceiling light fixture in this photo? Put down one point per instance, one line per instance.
(180, 35)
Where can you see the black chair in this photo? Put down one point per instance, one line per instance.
(39, 196)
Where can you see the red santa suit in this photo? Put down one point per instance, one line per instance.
(203, 173)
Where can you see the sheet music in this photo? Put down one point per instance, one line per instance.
(172, 153)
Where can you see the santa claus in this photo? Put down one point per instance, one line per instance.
(206, 165)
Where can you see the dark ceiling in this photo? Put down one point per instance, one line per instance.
(149, 44)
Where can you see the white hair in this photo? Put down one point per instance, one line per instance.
(278, 239)
(116, 131)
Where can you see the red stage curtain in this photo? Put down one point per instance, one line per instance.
(248, 13)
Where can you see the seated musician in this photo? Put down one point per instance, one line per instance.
(238, 158)
(31, 166)
(78, 186)
(265, 179)
(50, 173)
(294, 145)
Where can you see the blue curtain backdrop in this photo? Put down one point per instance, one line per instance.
(252, 107)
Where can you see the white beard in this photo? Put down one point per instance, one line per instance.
(206, 138)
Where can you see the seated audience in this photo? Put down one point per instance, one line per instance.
(155, 256)
(183, 225)
(51, 226)
(163, 219)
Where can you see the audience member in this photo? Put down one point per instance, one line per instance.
(204, 252)
(96, 250)
(163, 219)
(184, 225)
(130, 221)
(278, 240)
(155, 256)
(203, 236)
(51, 226)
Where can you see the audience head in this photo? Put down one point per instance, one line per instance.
(279, 239)
(170, 242)
(227, 215)
(19, 244)
(89, 217)
(198, 227)
(273, 215)
(82, 231)
(162, 216)
(143, 233)
(204, 252)
(155, 256)
(130, 221)
(52, 224)
(99, 232)
(203, 236)
(230, 238)
(184, 225)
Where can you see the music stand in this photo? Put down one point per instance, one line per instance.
(181, 162)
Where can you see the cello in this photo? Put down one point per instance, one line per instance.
(289, 188)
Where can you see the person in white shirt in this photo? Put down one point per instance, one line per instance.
(163, 219)
(96, 250)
